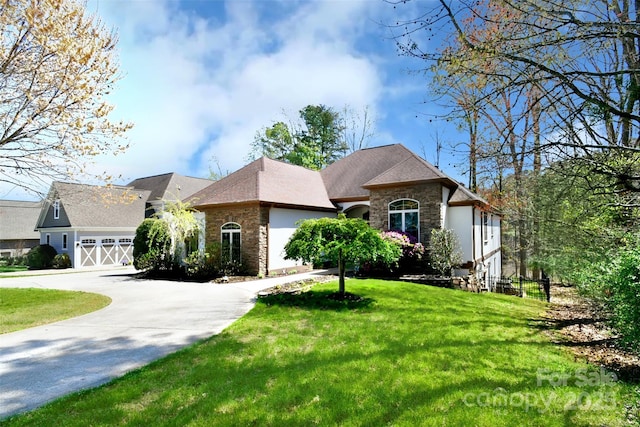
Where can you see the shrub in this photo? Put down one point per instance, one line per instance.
(444, 250)
(151, 246)
(62, 261)
(615, 286)
(41, 256)
(200, 266)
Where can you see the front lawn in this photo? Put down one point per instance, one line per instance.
(12, 268)
(405, 354)
(26, 308)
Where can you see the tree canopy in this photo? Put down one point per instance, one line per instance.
(340, 240)
(562, 75)
(57, 66)
(537, 84)
(322, 136)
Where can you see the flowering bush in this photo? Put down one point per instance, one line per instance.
(411, 248)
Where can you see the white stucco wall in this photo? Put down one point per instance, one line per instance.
(444, 207)
(282, 224)
(467, 222)
(459, 220)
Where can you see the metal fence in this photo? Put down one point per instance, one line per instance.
(525, 288)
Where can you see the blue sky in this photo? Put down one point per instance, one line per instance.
(200, 77)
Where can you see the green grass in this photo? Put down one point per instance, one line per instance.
(12, 268)
(405, 355)
(26, 308)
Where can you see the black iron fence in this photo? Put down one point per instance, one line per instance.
(525, 288)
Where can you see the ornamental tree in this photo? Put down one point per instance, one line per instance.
(57, 66)
(340, 240)
(444, 250)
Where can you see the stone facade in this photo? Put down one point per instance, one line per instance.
(254, 219)
(428, 195)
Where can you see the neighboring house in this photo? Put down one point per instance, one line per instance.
(95, 225)
(167, 188)
(17, 222)
(254, 211)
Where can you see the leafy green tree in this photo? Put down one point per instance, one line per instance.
(444, 250)
(275, 142)
(614, 285)
(151, 245)
(160, 242)
(317, 142)
(340, 240)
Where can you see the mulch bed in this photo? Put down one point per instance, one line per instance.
(571, 321)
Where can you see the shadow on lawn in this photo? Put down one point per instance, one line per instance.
(319, 300)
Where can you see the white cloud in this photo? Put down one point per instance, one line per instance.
(198, 84)
(199, 87)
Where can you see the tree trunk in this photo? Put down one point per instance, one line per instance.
(341, 272)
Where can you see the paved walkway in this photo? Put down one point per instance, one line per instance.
(146, 320)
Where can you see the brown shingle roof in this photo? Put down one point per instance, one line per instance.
(348, 178)
(266, 180)
(170, 186)
(462, 196)
(410, 170)
(344, 179)
(92, 206)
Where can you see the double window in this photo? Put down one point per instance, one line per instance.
(231, 241)
(404, 215)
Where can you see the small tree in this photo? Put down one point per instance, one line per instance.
(444, 250)
(151, 245)
(183, 226)
(340, 240)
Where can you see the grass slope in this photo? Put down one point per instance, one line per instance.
(405, 355)
(26, 308)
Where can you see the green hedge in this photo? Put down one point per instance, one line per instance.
(41, 257)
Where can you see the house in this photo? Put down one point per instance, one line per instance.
(254, 211)
(17, 221)
(95, 225)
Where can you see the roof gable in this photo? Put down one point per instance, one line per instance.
(344, 178)
(410, 170)
(270, 181)
(170, 186)
(462, 196)
(89, 206)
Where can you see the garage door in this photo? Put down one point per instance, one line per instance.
(106, 251)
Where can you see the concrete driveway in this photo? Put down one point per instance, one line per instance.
(145, 321)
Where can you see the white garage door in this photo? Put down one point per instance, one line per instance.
(100, 251)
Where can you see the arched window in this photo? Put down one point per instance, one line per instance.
(231, 241)
(404, 215)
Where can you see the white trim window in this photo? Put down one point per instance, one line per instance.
(404, 215)
(231, 241)
(56, 209)
(47, 239)
(65, 241)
